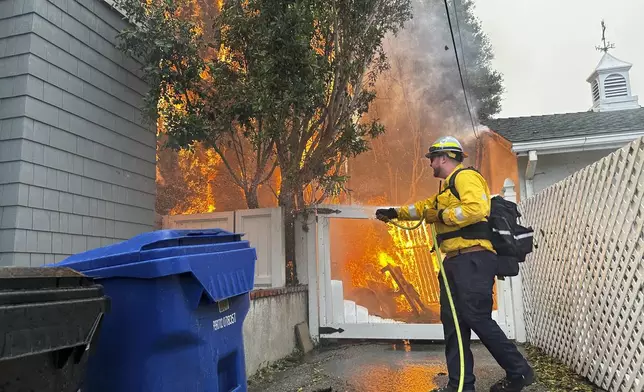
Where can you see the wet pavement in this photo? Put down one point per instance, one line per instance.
(374, 367)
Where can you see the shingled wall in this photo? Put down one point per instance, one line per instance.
(77, 160)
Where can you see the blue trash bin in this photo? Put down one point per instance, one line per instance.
(179, 299)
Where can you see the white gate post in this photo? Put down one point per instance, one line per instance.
(307, 270)
(516, 283)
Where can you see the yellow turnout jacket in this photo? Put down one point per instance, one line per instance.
(450, 214)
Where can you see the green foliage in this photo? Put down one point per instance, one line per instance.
(484, 83)
(269, 83)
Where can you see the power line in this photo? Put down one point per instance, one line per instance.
(460, 39)
(458, 63)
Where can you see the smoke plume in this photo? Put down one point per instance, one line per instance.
(419, 99)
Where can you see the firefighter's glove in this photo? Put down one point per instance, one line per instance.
(386, 214)
(431, 215)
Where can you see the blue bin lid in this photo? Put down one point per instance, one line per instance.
(148, 246)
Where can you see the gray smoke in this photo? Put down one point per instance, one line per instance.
(423, 63)
(419, 99)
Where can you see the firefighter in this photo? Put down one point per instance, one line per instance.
(470, 266)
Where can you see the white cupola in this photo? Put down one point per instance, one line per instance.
(610, 84)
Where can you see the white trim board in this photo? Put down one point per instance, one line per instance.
(116, 8)
(395, 331)
(573, 144)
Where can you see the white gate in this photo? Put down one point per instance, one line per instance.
(387, 289)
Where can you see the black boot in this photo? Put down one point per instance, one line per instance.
(513, 384)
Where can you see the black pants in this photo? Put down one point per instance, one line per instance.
(471, 280)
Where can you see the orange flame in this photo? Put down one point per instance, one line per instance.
(361, 249)
(381, 246)
(198, 166)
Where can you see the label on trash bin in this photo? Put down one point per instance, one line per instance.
(224, 321)
(223, 305)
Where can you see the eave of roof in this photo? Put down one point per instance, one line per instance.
(611, 141)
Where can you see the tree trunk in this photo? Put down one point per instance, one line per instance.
(287, 202)
(252, 201)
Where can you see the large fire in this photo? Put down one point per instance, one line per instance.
(390, 271)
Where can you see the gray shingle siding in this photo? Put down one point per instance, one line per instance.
(77, 161)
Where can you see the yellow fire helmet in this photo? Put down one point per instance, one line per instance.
(449, 146)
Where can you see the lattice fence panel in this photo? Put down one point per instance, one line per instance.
(583, 285)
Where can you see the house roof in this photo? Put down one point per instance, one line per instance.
(557, 126)
(609, 63)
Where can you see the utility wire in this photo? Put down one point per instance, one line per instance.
(460, 39)
(458, 63)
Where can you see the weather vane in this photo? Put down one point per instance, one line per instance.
(606, 45)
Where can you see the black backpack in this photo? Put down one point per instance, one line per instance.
(509, 238)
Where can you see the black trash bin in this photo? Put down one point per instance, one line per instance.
(49, 319)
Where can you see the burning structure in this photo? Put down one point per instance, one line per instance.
(393, 273)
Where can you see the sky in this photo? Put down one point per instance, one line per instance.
(545, 49)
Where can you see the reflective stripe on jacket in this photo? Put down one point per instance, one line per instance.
(473, 207)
